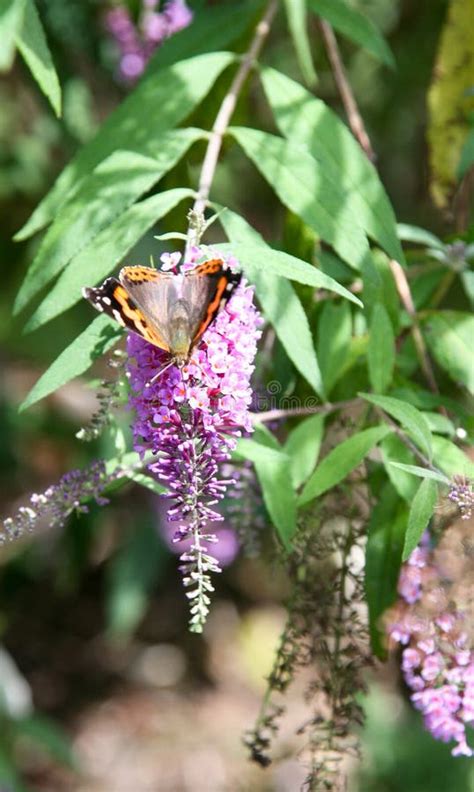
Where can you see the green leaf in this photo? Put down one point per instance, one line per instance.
(450, 336)
(351, 23)
(420, 514)
(341, 461)
(11, 20)
(213, 28)
(103, 253)
(451, 459)
(307, 120)
(132, 573)
(381, 349)
(33, 46)
(383, 555)
(421, 472)
(102, 197)
(44, 733)
(309, 189)
(257, 258)
(411, 233)
(334, 341)
(156, 105)
(296, 13)
(302, 447)
(410, 418)
(393, 450)
(278, 495)
(279, 303)
(96, 339)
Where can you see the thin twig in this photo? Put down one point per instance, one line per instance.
(407, 442)
(227, 108)
(348, 99)
(292, 412)
(405, 295)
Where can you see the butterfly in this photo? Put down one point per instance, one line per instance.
(169, 311)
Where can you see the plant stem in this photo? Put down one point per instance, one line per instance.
(348, 99)
(326, 409)
(226, 110)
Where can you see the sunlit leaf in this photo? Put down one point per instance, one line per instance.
(410, 418)
(156, 105)
(450, 336)
(96, 339)
(31, 42)
(101, 198)
(255, 257)
(103, 253)
(307, 188)
(279, 302)
(305, 119)
(11, 20)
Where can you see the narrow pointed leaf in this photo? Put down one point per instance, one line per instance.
(296, 13)
(255, 257)
(156, 105)
(450, 336)
(334, 341)
(31, 42)
(341, 461)
(383, 556)
(101, 256)
(381, 349)
(351, 23)
(302, 447)
(410, 418)
(96, 339)
(102, 197)
(278, 494)
(450, 459)
(309, 189)
(420, 514)
(11, 20)
(280, 304)
(303, 118)
(415, 470)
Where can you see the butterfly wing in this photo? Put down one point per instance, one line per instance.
(115, 300)
(206, 290)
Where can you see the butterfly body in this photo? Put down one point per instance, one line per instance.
(169, 311)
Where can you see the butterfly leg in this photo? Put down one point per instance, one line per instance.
(160, 372)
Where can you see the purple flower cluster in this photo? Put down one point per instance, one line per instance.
(437, 661)
(461, 492)
(136, 43)
(189, 418)
(52, 507)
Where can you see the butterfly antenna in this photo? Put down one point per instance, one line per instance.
(159, 373)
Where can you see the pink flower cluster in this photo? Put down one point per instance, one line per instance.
(136, 43)
(437, 661)
(190, 419)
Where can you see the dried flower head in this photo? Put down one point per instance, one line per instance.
(189, 418)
